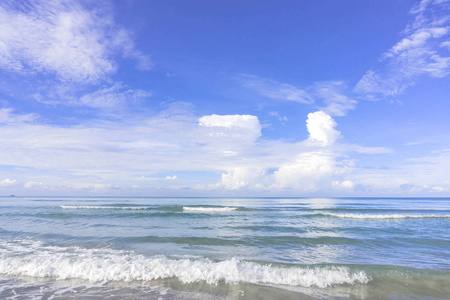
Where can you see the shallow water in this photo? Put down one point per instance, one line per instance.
(217, 248)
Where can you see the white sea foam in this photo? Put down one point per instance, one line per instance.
(103, 207)
(385, 216)
(208, 209)
(24, 258)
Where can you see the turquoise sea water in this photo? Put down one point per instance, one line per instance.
(224, 248)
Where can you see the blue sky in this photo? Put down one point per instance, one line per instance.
(225, 98)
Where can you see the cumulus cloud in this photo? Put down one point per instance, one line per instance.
(115, 152)
(226, 150)
(232, 181)
(306, 171)
(7, 181)
(231, 121)
(313, 167)
(421, 52)
(346, 184)
(242, 177)
(245, 128)
(33, 184)
(321, 128)
(62, 38)
(174, 139)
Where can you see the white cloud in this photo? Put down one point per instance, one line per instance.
(7, 116)
(173, 140)
(123, 40)
(402, 177)
(412, 188)
(440, 189)
(418, 54)
(330, 93)
(159, 178)
(231, 121)
(282, 119)
(242, 177)
(369, 150)
(275, 90)
(321, 128)
(314, 168)
(336, 102)
(245, 128)
(64, 39)
(7, 182)
(111, 156)
(306, 172)
(416, 39)
(113, 96)
(33, 184)
(95, 187)
(232, 181)
(346, 184)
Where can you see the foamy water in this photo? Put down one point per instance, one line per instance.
(208, 209)
(24, 258)
(104, 207)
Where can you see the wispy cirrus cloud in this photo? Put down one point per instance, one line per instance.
(422, 52)
(64, 39)
(275, 90)
(328, 96)
(8, 116)
(63, 49)
(336, 101)
(112, 96)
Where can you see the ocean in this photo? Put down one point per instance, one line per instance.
(224, 248)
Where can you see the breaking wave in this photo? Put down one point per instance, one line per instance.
(104, 207)
(208, 209)
(25, 258)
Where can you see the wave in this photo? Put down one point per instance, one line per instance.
(208, 209)
(30, 258)
(105, 207)
(383, 216)
(163, 208)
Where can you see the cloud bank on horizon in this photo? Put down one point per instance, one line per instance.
(93, 102)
